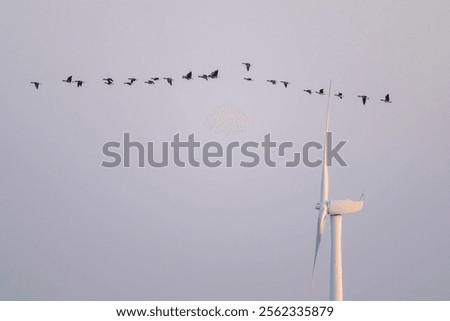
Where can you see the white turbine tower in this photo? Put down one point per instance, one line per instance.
(334, 209)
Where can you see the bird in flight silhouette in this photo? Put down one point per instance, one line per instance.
(188, 76)
(340, 95)
(320, 92)
(309, 91)
(132, 80)
(214, 74)
(248, 79)
(79, 83)
(169, 80)
(36, 84)
(68, 80)
(108, 81)
(155, 78)
(203, 76)
(364, 98)
(387, 99)
(247, 65)
(285, 83)
(150, 82)
(273, 82)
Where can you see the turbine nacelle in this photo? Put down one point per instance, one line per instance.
(341, 206)
(344, 207)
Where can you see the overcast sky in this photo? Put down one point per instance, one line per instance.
(72, 230)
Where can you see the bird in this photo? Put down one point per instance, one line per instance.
(273, 82)
(203, 76)
(247, 65)
(108, 81)
(79, 83)
(248, 79)
(150, 82)
(387, 99)
(68, 80)
(309, 91)
(364, 98)
(339, 95)
(36, 84)
(130, 81)
(214, 74)
(320, 92)
(155, 78)
(285, 83)
(188, 76)
(169, 80)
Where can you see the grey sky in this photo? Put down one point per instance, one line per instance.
(70, 229)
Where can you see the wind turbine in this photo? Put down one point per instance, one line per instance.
(334, 209)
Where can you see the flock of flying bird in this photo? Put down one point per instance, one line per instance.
(212, 75)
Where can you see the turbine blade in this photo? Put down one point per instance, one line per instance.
(320, 228)
(324, 191)
(324, 188)
(325, 183)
